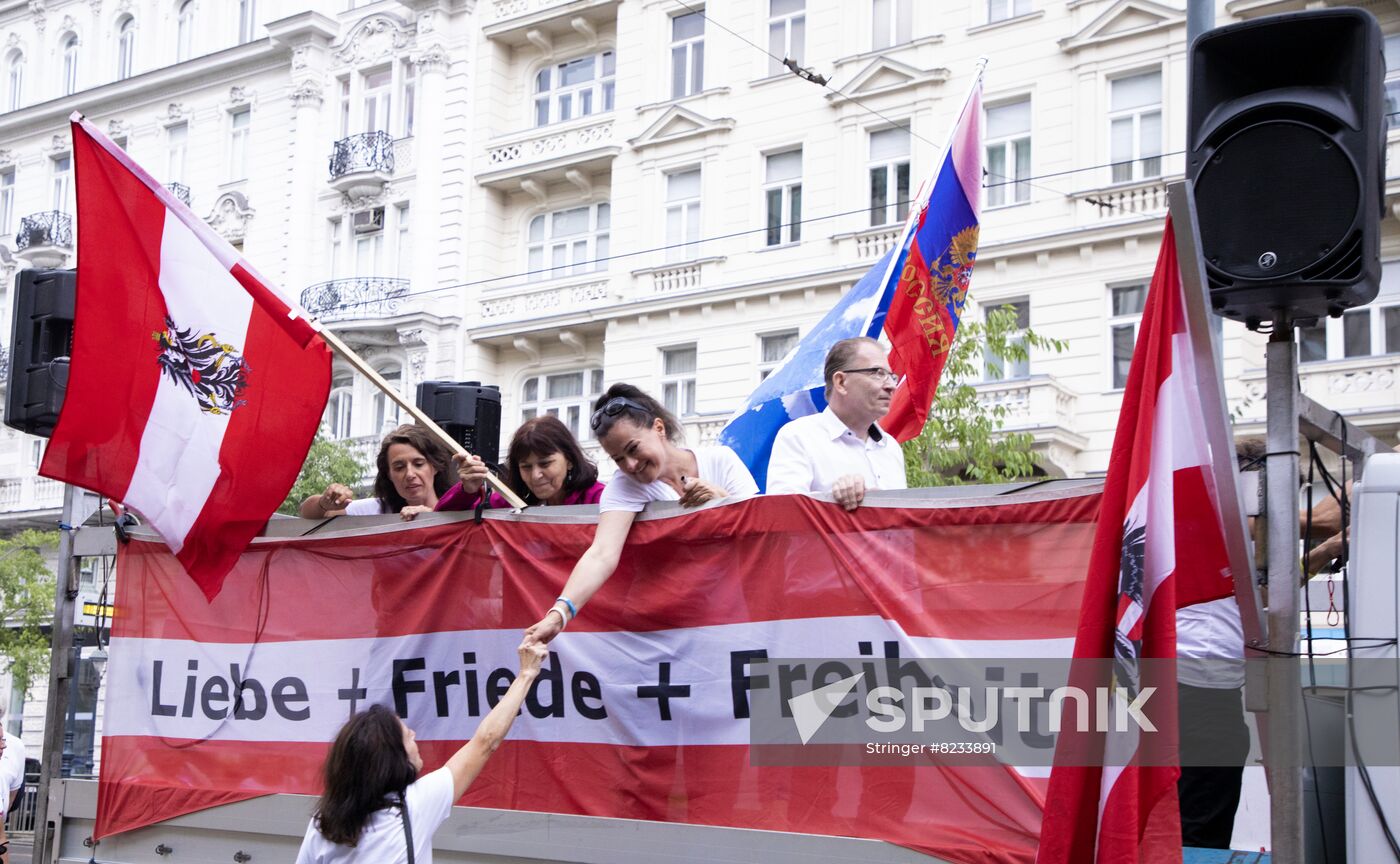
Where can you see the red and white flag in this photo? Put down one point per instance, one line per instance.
(195, 387)
(1158, 546)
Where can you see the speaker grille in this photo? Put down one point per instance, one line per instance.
(1279, 198)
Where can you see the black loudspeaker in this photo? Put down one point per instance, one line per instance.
(40, 342)
(1286, 143)
(468, 411)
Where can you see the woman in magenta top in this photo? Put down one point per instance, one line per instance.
(544, 465)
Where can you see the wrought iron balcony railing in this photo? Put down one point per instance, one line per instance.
(49, 228)
(181, 191)
(357, 297)
(368, 151)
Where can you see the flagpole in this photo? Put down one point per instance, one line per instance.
(358, 363)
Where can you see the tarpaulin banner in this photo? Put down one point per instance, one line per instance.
(643, 709)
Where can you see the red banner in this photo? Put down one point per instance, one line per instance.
(643, 710)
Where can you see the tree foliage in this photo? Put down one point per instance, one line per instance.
(963, 440)
(26, 604)
(326, 462)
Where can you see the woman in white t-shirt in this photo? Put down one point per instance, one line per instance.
(644, 439)
(374, 800)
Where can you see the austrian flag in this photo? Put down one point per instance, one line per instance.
(195, 387)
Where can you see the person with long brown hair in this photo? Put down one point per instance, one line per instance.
(414, 470)
(544, 466)
(375, 796)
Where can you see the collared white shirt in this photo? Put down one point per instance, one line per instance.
(811, 452)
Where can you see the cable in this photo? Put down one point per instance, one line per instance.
(1010, 181)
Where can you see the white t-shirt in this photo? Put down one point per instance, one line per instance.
(1210, 645)
(717, 464)
(429, 805)
(11, 770)
(364, 507)
(811, 452)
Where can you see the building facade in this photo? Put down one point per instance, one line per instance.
(552, 195)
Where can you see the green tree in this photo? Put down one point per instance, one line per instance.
(26, 604)
(963, 440)
(326, 462)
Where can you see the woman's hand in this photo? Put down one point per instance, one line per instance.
(408, 513)
(697, 492)
(532, 656)
(542, 631)
(471, 471)
(335, 497)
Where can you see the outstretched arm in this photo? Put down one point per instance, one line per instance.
(591, 571)
(467, 762)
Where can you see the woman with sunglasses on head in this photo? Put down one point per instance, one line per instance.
(544, 466)
(644, 439)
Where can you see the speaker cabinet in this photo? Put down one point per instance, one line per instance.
(40, 342)
(1286, 144)
(468, 411)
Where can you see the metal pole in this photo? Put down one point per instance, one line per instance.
(1200, 17)
(60, 672)
(1285, 683)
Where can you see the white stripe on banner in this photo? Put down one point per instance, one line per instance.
(302, 691)
(179, 461)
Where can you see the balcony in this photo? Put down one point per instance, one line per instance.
(355, 299)
(868, 244)
(361, 164)
(679, 277)
(1366, 390)
(534, 301)
(180, 191)
(515, 22)
(18, 494)
(535, 157)
(1045, 408)
(45, 238)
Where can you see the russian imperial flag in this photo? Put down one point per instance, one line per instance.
(195, 387)
(915, 294)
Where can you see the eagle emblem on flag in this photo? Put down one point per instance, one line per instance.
(213, 372)
(1127, 637)
(954, 275)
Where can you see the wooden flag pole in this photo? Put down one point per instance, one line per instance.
(422, 419)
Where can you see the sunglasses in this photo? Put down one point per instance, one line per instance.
(614, 407)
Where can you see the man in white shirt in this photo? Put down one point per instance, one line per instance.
(843, 450)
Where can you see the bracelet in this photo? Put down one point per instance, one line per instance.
(563, 619)
(573, 610)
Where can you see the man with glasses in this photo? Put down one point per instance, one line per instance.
(843, 450)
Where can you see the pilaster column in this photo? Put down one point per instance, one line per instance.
(428, 144)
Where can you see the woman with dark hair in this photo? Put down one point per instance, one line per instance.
(644, 439)
(415, 469)
(544, 465)
(374, 800)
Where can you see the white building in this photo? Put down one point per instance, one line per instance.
(551, 195)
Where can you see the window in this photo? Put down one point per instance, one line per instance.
(566, 395)
(1390, 329)
(247, 20)
(14, 82)
(996, 368)
(772, 348)
(407, 87)
(403, 247)
(184, 31)
(893, 22)
(1359, 333)
(787, 33)
(126, 47)
(36, 452)
(62, 183)
(1008, 153)
(339, 408)
(239, 123)
(577, 88)
(1356, 333)
(1392, 81)
(1000, 10)
(1126, 305)
(687, 54)
(334, 245)
(7, 201)
(682, 215)
(70, 65)
(678, 380)
(176, 138)
(567, 242)
(889, 176)
(377, 100)
(1312, 342)
(386, 410)
(782, 192)
(369, 249)
(1135, 126)
(344, 107)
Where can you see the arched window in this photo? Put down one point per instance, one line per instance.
(386, 410)
(70, 64)
(338, 409)
(184, 31)
(126, 47)
(14, 82)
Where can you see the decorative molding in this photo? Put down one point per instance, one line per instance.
(301, 57)
(231, 215)
(96, 6)
(58, 144)
(433, 58)
(12, 41)
(308, 94)
(174, 113)
(1124, 19)
(68, 24)
(677, 123)
(412, 336)
(417, 360)
(883, 75)
(376, 37)
(38, 11)
(239, 96)
(118, 129)
(7, 157)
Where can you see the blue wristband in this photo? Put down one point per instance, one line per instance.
(573, 610)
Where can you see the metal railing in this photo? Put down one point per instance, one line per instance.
(356, 297)
(180, 191)
(49, 228)
(367, 151)
(20, 819)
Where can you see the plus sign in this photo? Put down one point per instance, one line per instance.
(354, 693)
(664, 691)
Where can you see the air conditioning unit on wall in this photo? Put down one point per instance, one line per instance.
(368, 221)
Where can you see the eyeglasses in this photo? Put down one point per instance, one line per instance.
(879, 373)
(614, 407)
